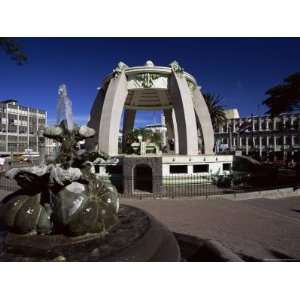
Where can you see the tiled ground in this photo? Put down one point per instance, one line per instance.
(264, 229)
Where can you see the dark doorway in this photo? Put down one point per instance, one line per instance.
(142, 179)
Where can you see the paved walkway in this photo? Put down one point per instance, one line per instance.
(265, 229)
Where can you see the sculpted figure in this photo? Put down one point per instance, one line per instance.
(62, 196)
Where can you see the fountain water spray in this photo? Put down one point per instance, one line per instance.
(64, 107)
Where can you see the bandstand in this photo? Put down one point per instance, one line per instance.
(168, 89)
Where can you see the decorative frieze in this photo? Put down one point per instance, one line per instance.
(148, 80)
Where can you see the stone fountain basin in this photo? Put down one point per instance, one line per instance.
(137, 237)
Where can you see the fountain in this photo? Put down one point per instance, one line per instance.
(64, 212)
(64, 107)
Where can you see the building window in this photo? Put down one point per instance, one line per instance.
(177, 169)
(204, 168)
(226, 167)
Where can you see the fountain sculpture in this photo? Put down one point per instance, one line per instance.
(63, 211)
(63, 196)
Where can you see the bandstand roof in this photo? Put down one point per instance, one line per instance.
(148, 86)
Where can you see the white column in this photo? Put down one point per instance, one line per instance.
(292, 144)
(18, 129)
(247, 146)
(6, 127)
(260, 146)
(233, 125)
(274, 124)
(176, 136)
(292, 140)
(284, 147)
(267, 123)
(164, 131)
(267, 145)
(172, 130)
(259, 123)
(37, 131)
(27, 127)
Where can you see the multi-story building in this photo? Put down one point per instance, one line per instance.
(262, 137)
(20, 127)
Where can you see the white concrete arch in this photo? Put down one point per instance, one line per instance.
(114, 101)
(184, 113)
(204, 120)
(149, 88)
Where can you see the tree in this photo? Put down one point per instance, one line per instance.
(132, 136)
(148, 135)
(284, 97)
(156, 138)
(215, 108)
(13, 49)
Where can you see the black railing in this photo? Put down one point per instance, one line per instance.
(8, 184)
(199, 185)
(187, 185)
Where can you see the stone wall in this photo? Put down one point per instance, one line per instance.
(129, 163)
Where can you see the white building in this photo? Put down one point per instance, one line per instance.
(263, 137)
(20, 127)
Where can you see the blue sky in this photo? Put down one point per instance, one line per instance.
(238, 69)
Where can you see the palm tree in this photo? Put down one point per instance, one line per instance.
(215, 108)
(13, 49)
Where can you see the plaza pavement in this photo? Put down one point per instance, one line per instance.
(259, 229)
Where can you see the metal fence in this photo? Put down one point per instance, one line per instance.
(186, 186)
(8, 184)
(197, 185)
